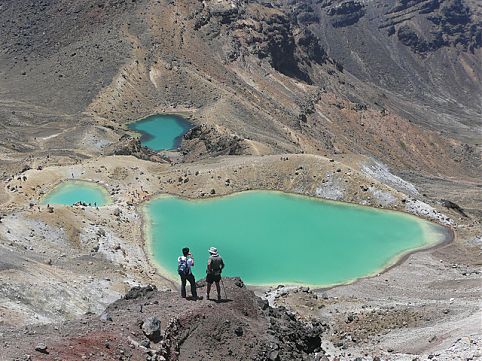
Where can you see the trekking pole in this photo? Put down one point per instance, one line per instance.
(224, 288)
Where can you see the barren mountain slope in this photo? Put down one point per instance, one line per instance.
(256, 70)
(426, 51)
(371, 102)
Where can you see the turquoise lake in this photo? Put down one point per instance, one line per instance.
(71, 192)
(162, 131)
(270, 238)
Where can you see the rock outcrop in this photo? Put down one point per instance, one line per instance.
(241, 327)
(267, 32)
(206, 140)
(128, 145)
(447, 24)
(345, 13)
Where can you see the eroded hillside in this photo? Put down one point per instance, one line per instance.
(369, 102)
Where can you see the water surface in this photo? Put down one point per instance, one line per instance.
(161, 131)
(71, 192)
(273, 237)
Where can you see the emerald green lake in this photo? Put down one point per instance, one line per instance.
(271, 237)
(71, 192)
(161, 131)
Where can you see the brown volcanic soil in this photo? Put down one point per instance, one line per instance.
(222, 64)
(245, 326)
(328, 98)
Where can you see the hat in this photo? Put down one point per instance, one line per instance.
(213, 251)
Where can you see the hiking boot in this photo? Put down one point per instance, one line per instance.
(197, 298)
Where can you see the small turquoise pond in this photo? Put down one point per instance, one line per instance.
(71, 192)
(162, 131)
(272, 237)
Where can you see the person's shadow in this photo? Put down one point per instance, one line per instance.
(223, 300)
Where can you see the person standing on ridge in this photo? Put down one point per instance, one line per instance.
(184, 265)
(213, 271)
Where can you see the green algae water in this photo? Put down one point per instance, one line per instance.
(272, 237)
(161, 131)
(71, 192)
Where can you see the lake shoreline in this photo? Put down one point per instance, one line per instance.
(107, 200)
(145, 137)
(445, 233)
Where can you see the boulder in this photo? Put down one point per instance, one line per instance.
(152, 328)
(105, 316)
(239, 331)
(42, 348)
(138, 292)
(451, 205)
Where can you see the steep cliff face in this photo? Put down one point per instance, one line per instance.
(446, 24)
(345, 13)
(425, 51)
(424, 25)
(267, 32)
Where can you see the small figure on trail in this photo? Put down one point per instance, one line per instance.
(184, 264)
(213, 271)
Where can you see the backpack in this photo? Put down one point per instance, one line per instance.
(182, 267)
(217, 265)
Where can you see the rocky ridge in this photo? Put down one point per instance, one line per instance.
(379, 101)
(153, 325)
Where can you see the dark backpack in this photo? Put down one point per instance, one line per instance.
(182, 267)
(217, 265)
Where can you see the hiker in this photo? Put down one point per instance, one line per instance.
(213, 271)
(184, 264)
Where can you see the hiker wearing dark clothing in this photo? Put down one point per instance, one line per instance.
(213, 271)
(184, 265)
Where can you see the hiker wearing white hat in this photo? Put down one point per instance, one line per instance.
(213, 271)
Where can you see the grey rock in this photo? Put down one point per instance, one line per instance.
(451, 205)
(138, 292)
(239, 283)
(105, 316)
(152, 328)
(274, 355)
(350, 318)
(41, 347)
(239, 331)
(146, 343)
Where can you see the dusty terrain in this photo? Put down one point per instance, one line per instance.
(375, 103)
(245, 325)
